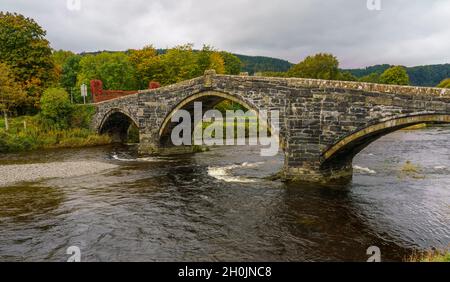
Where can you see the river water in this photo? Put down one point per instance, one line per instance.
(217, 206)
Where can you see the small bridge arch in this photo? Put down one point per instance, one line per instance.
(116, 123)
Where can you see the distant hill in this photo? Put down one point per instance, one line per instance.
(429, 75)
(254, 64)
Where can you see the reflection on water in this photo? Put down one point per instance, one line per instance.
(217, 206)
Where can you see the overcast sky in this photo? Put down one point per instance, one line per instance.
(407, 32)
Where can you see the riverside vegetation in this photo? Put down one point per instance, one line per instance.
(59, 124)
(430, 256)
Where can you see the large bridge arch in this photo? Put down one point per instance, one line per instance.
(339, 156)
(209, 100)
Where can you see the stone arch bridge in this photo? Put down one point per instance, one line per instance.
(323, 124)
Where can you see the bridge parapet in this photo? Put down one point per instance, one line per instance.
(337, 85)
(346, 85)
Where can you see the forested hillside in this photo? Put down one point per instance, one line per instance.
(429, 75)
(254, 64)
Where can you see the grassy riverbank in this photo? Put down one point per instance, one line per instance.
(30, 133)
(430, 256)
(59, 124)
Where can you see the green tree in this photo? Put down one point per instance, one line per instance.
(178, 64)
(209, 58)
(70, 70)
(56, 107)
(321, 66)
(233, 64)
(444, 83)
(11, 92)
(204, 58)
(371, 78)
(24, 48)
(59, 59)
(346, 76)
(115, 70)
(395, 75)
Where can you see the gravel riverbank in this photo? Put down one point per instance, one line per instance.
(10, 174)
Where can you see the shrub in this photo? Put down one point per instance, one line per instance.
(81, 116)
(56, 108)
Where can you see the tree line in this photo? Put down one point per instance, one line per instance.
(326, 66)
(430, 75)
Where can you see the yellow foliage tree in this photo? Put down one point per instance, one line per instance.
(11, 92)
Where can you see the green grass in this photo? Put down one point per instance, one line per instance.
(37, 136)
(250, 122)
(430, 256)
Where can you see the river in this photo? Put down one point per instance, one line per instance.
(217, 205)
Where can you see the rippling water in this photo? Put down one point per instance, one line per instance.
(216, 206)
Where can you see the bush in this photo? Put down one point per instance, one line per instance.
(56, 108)
(321, 66)
(395, 75)
(81, 116)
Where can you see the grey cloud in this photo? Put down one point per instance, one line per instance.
(404, 32)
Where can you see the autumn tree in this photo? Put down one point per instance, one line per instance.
(11, 92)
(216, 63)
(321, 66)
(59, 59)
(209, 58)
(178, 64)
(444, 83)
(24, 48)
(147, 64)
(395, 75)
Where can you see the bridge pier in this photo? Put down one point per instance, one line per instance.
(155, 148)
(151, 149)
(318, 175)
